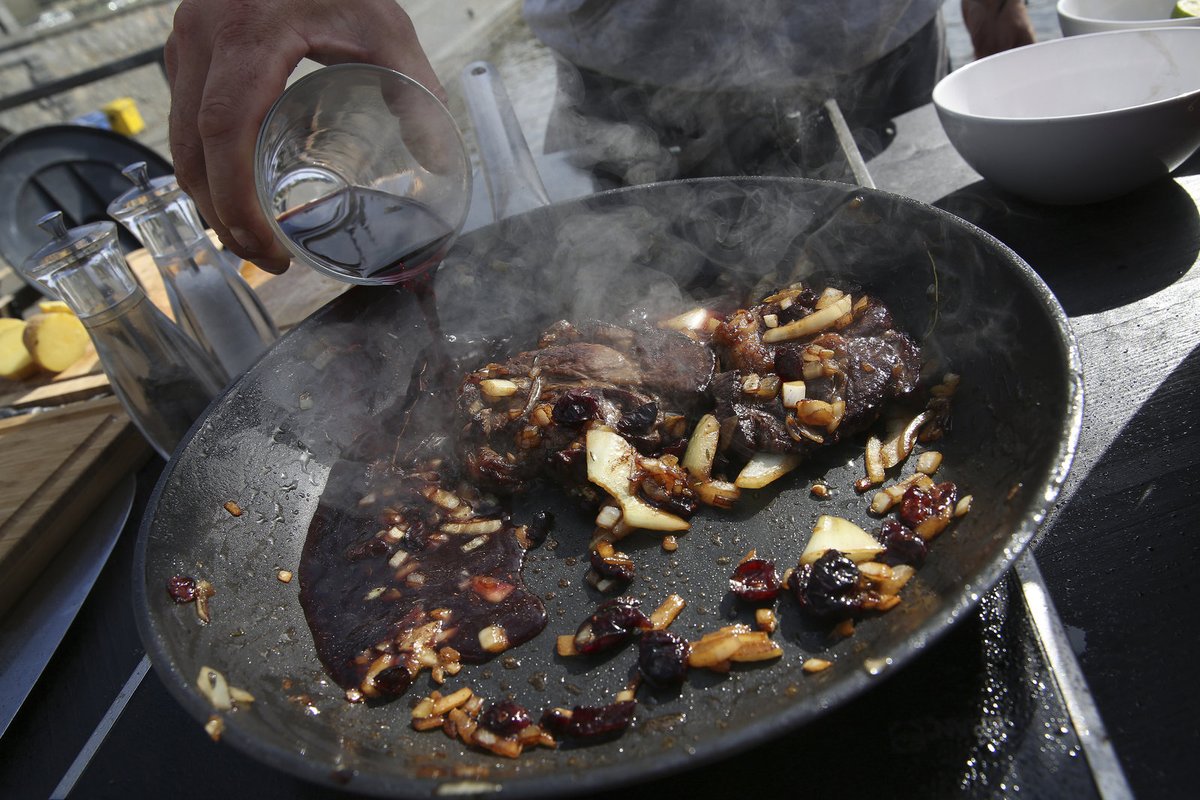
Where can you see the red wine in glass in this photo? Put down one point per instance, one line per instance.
(368, 234)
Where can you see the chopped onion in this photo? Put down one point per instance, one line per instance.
(474, 527)
(929, 461)
(666, 613)
(874, 462)
(497, 387)
(793, 393)
(828, 298)
(896, 450)
(720, 494)
(610, 465)
(702, 447)
(493, 639)
(764, 468)
(810, 324)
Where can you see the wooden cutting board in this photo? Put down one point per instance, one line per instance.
(61, 458)
(57, 466)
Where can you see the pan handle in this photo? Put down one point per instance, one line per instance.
(513, 182)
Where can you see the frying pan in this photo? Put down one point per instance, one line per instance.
(269, 442)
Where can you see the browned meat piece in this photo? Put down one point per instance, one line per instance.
(742, 347)
(848, 375)
(527, 417)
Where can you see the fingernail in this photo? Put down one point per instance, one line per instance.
(246, 239)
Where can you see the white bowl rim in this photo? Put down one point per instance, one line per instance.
(1113, 112)
(1168, 22)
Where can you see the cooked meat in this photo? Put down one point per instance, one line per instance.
(854, 369)
(527, 417)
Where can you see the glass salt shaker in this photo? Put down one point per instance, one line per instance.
(209, 299)
(162, 378)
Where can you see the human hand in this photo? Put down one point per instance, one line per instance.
(997, 25)
(228, 60)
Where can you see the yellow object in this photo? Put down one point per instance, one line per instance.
(15, 361)
(124, 116)
(54, 307)
(56, 341)
(1186, 8)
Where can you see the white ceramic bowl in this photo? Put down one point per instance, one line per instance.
(1077, 17)
(1080, 119)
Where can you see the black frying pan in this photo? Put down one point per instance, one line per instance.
(976, 307)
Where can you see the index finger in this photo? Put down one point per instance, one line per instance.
(237, 94)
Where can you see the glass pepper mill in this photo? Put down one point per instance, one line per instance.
(162, 378)
(209, 299)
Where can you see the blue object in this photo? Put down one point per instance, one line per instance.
(93, 119)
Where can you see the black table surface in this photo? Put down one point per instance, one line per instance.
(978, 714)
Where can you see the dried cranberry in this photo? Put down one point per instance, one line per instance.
(755, 580)
(638, 420)
(662, 658)
(681, 501)
(829, 587)
(505, 718)
(182, 588)
(374, 547)
(617, 566)
(575, 407)
(539, 527)
(393, 681)
(586, 722)
(789, 362)
(920, 504)
(612, 623)
(903, 546)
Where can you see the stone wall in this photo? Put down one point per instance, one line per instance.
(38, 57)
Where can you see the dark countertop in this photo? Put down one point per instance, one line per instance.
(977, 714)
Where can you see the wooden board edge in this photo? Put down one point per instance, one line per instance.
(126, 450)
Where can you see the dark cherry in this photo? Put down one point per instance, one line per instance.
(588, 722)
(505, 718)
(755, 581)
(638, 420)
(575, 407)
(903, 545)
(920, 504)
(662, 658)
(611, 625)
(182, 588)
(829, 587)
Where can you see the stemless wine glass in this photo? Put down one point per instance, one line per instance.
(363, 174)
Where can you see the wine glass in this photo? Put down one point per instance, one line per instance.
(363, 174)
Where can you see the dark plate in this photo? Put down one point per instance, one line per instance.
(68, 168)
(979, 310)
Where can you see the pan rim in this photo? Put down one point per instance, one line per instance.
(789, 717)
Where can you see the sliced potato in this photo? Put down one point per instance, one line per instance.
(836, 533)
(54, 307)
(56, 341)
(15, 361)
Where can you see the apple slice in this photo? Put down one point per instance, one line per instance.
(835, 533)
(610, 465)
